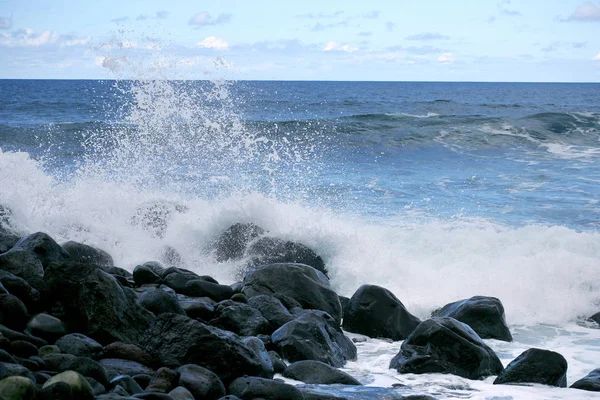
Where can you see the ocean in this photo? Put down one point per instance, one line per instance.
(436, 191)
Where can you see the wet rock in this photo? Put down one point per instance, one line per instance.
(153, 396)
(268, 389)
(154, 216)
(268, 250)
(309, 371)
(239, 318)
(115, 367)
(79, 345)
(150, 272)
(300, 282)
(445, 345)
(272, 310)
(277, 362)
(97, 387)
(485, 315)
(80, 387)
(143, 380)
(202, 288)
(13, 312)
(24, 349)
(7, 333)
(127, 383)
(17, 370)
(95, 304)
(17, 388)
(57, 391)
(119, 391)
(84, 254)
(589, 382)
(86, 367)
(47, 327)
(232, 243)
(375, 312)
(6, 357)
(163, 381)
(54, 361)
(159, 301)
(48, 349)
(314, 336)
(345, 392)
(535, 366)
(44, 247)
(178, 340)
(129, 352)
(181, 393)
(20, 288)
(24, 264)
(200, 309)
(259, 348)
(201, 382)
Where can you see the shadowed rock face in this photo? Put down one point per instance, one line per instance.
(485, 315)
(376, 312)
(310, 371)
(269, 250)
(232, 243)
(82, 253)
(589, 382)
(255, 388)
(44, 247)
(447, 346)
(535, 366)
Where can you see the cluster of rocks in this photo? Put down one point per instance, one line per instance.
(75, 326)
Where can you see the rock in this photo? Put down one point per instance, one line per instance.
(7, 333)
(178, 340)
(84, 254)
(6, 357)
(278, 364)
(272, 310)
(119, 391)
(47, 327)
(24, 349)
(44, 247)
(232, 243)
(535, 366)
(24, 264)
(54, 361)
(201, 382)
(17, 388)
(158, 301)
(589, 382)
(345, 392)
(96, 304)
(48, 349)
(268, 389)
(153, 396)
(7, 241)
(143, 380)
(41, 377)
(375, 312)
(268, 250)
(79, 345)
(181, 393)
(239, 298)
(258, 347)
(86, 367)
(18, 370)
(127, 383)
(97, 387)
(150, 272)
(154, 216)
(199, 309)
(201, 288)
(239, 318)
(595, 317)
(80, 388)
(20, 288)
(115, 367)
(300, 282)
(344, 301)
(314, 336)
(13, 312)
(309, 371)
(445, 345)
(57, 391)
(163, 381)
(129, 352)
(485, 315)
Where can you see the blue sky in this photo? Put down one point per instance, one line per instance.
(397, 40)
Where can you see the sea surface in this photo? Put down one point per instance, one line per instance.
(436, 191)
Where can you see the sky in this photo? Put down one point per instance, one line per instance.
(376, 40)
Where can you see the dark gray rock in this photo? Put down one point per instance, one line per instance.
(7, 333)
(86, 367)
(47, 327)
(119, 391)
(445, 345)
(84, 254)
(24, 264)
(589, 382)
(314, 336)
(268, 389)
(300, 282)
(201, 382)
(181, 393)
(272, 310)
(159, 301)
(17, 388)
(202, 309)
(535, 366)
(6, 357)
(485, 315)
(259, 348)
(345, 392)
(44, 247)
(80, 387)
(56, 391)
(23, 349)
(79, 345)
(269, 250)
(17, 370)
(13, 312)
(163, 381)
(150, 272)
(129, 352)
(152, 396)
(375, 312)
(239, 318)
(310, 371)
(22, 289)
(97, 387)
(178, 340)
(54, 361)
(232, 243)
(202, 288)
(95, 304)
(278, 364)
(595, 317)
(143, 380)
(127, 383)
(115, 367)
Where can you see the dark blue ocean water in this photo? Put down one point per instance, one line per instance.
(515, 153)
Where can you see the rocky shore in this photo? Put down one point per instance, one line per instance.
(75, 326)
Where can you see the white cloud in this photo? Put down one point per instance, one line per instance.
(27, 38)
(335, 46)
(597, 57)
(587, 12)
(446, 58)
(213, 42)
(76, 41)
(203, 18)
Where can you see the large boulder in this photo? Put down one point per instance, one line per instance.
(268, 250)
(85, 254)
(310, 371)
(201, 382)
(176, 340)
(44, 247)
(375, 312)
(447, 346)
(239, 318)
(24, 264)
(95, 304)
(272, 310)
(250, 387)
(314, 336)
(535, 366)
(232, 243)
(589, 382)
(159, 301)
(485, 315)
(302, 283)
(257, 345)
